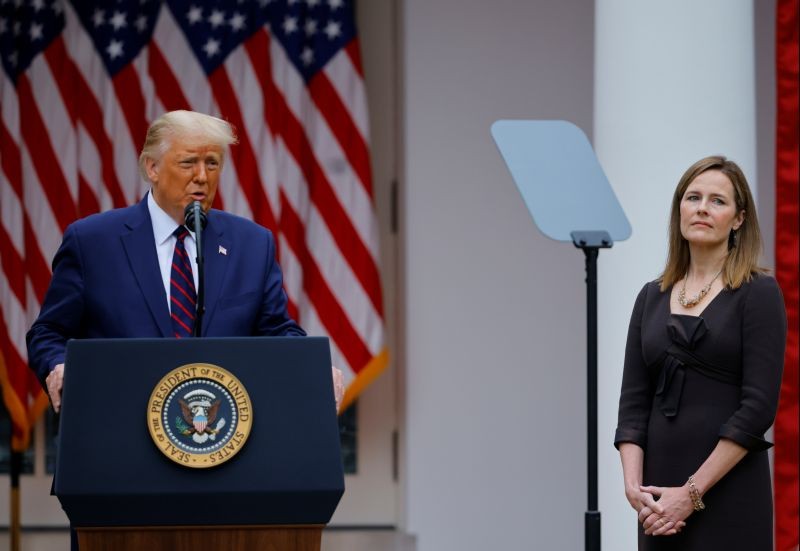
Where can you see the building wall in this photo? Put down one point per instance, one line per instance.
(494, 311)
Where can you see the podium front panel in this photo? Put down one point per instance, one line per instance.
(110, 471)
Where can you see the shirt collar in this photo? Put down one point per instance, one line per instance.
(163, 225)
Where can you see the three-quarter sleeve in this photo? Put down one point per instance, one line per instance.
(763, 348)
(636, 395)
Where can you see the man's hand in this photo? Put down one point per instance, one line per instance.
(338, 386)
(55, 381)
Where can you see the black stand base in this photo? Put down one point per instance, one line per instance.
(592, 530)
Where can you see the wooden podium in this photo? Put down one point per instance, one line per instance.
(233, 538)
(125, 486)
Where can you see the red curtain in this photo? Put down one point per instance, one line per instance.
(787, 263)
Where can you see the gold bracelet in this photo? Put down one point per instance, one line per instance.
(697, 502)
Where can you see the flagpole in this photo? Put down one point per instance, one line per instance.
(14, 526)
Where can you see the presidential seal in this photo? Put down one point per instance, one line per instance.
(199, 415)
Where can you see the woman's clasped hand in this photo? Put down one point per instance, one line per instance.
(665, 516)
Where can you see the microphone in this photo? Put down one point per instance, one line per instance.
(195, 219)
(194, 211)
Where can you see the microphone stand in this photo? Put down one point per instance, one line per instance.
(196, 219)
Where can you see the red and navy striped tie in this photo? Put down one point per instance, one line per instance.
(183, 298)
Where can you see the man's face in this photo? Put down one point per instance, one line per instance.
(188, 171)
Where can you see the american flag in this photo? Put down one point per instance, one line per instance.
(81, 81)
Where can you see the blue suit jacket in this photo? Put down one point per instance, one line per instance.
(106, 283)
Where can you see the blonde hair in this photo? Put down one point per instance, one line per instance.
(196, 126)
(742, 260)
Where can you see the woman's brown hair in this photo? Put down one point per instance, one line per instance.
(742, 260)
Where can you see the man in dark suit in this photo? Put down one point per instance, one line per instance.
(126, 272)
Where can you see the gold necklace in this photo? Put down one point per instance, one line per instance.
(699, 296)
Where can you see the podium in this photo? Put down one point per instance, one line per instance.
(212, 443)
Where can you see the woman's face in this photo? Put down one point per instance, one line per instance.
(708, 210)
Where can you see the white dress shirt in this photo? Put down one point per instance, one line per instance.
(163, 227)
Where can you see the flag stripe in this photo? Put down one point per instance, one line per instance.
(261, 137)
(348, 241)
(315, 325)
(168, 37)
(343, 77)
(166, 85)
(12, 265)
(47, 167)
(87, 200)
(44, 223)
(243, 158)
(90, 67)
(39, 215)
(58, 63)
(22, 239)
(333, 267)
(11, 214)
(57, 129)
(338, 117)
(90, 168)
(37, 268)
(129, 93)
(83, 106)
(10, 159)
(354, 53)
(325, 150)
(15, 317)
(316, 288)
(343, 283)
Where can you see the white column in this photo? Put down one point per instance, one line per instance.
(674, 82)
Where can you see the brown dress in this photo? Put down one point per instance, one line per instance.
(689, 381)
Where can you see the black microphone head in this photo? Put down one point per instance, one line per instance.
(194, 209)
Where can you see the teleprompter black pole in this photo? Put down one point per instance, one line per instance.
(592, 517)
(591, 242)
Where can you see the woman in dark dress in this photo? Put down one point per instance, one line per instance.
(702, 373)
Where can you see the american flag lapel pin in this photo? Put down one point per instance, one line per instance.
(223, 250)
